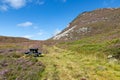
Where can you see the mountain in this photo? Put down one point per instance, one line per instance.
(100, 21)
(93, 55)
(12, 39)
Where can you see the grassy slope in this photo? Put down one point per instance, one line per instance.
(85, 59)
(14, 65)
(68, 65)
(13, 39)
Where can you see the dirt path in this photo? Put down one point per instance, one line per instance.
(66, 65)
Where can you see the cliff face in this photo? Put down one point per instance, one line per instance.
(100, 21)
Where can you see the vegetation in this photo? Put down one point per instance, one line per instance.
(14, 65)
(85, 56)
(81, 60)
(85, 59)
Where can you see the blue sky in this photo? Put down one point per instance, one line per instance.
(42, 19)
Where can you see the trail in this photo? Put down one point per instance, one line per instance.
(62, 64)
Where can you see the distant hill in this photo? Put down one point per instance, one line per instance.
(13, 39)
(100, 21)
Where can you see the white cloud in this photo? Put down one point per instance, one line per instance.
(15, 3)
(40, 2)
(40, 33)
(3, 8)
(28, 36)
(34, 35)
(57, 31)
(25, 24)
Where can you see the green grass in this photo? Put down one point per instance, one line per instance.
(82, 59)
(67, 64)
(76, 60)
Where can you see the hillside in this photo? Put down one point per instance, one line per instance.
(100, 21)
(85, 59)
(13, 39)
(91, 52)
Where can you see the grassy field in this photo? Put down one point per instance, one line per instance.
(81, 60)
(85, 59)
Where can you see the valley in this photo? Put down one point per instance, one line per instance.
(88, 49)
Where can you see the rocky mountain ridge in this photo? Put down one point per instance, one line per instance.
(91, 23)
